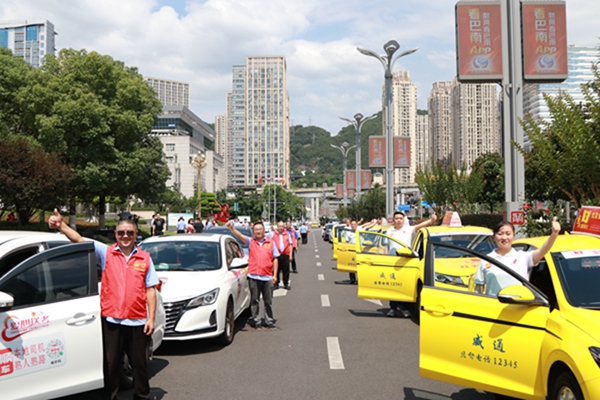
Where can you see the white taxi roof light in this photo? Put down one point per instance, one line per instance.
(451, 219)
(588, 221)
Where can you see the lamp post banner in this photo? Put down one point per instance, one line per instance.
(350, 179)
(402, 151)
(365, 179)
(377, 151)
(479, 41)
(544, 40)
(339, 191)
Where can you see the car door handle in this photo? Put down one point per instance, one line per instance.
(80, 319)
(437, 310)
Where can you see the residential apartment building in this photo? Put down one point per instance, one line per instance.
(474, 122)
(404, 104)
(221, 146)
(169, 92)
(258, 123)
(422, 140)
(30, 40)
(440, 123)
(579, 60)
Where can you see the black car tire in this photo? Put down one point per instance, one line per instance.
(227, 336)
(565, 387)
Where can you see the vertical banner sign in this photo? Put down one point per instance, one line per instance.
(544, 40)
(402, 151)
(339, 191)
(365, 179)
(377, 151)
(479, 41)
(350, 179)
(351, 193)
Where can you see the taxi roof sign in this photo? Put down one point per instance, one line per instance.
(588, 221)
(451, 219)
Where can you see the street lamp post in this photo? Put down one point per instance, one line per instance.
(344, 149)
(199, 162)
(388, 62)
(358, 122)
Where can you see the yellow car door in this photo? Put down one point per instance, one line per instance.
(335, 239)
(346, 250)
(386, 268)
(484, 341)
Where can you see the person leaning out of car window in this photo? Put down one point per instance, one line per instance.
(490, 279)
(127, 303)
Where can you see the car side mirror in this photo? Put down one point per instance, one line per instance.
(517, 294)
(406, 252)
(238, 263)
(6, 301)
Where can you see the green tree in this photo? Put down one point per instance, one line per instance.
(490, 168)
(566, 149)
(30, 178)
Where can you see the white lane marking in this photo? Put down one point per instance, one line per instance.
(318, 264)
(316, 256)
(378, 302)
(335, 353)
(321, 277)
(280, 292)
(316, 250)
(325, 300)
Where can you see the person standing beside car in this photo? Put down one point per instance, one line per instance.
(403, 232)
(127, 303)
(262, 271)
(198, 225)
(283, 242)
(294, 235)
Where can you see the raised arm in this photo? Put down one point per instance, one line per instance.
(427, 222)
(538, 254)
(56, 222)
(236, 233)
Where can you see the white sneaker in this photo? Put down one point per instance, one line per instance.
(392, 313)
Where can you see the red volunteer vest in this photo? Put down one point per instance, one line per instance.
(123, 293)
(286, 242)
(260, 257)
(292, 233)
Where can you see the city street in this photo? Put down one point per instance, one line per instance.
(328, 345)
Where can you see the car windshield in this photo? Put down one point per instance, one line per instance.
(184, 255)
(579, 273)
(481, 242)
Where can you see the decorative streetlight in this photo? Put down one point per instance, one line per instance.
(344, 149)
(388, 61)
(199, 162)
(358, 122)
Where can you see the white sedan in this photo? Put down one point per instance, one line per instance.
(50, 324)
(204, 284)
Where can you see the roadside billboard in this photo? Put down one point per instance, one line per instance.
(479, 41)
(544, 40)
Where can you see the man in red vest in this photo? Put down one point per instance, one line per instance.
(127, 303)
(283, 242)
(294, 235)
(262, 272)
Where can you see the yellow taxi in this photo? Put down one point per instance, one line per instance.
(389, 270)
(346, 248)
(534, 339)
(335, 238)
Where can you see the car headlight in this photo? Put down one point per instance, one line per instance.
(595, 351)
(449, 280)
(204, 299)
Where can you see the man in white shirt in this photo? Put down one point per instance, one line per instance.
(403, 232)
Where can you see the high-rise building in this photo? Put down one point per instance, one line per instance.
(221, 140)
(440, 124)
(422, 140)
(30, 40)
(474, 121)
(404, 104)
(579, 60)
(258, 123)
(169, 92)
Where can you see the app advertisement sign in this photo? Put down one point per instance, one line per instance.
(377, 151)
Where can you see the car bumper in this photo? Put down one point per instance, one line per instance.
(196, 323)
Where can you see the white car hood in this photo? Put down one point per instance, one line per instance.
(181, 285)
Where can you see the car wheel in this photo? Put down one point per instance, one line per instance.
(227, 336)
(565, 387)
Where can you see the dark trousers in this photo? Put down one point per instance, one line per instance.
(131, 339)
(352, 276)
(293, 263)
(304, 238)
(258, 288)
(284, 269)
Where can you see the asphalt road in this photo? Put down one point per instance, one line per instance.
(328, 344)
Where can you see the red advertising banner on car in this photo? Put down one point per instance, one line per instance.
(544, 40)
(365, 179)
(479, 41)
(377, 151)
(350, 179)
(402, 151)
(588, 220)
(339, 191)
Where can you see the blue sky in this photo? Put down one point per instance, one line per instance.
(198, 42)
